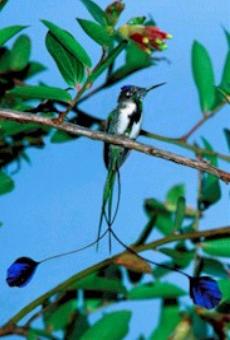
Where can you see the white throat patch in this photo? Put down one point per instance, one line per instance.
(124, 117)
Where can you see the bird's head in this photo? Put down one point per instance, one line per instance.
(135, 93)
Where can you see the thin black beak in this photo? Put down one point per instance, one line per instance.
(154, 87)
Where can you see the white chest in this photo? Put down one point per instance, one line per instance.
(124, 117)
(136, 128)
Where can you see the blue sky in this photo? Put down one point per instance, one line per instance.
(55, 206)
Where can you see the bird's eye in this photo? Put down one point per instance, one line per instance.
(128, 94)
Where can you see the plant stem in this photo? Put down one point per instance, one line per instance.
(116, 140)
(218, 233)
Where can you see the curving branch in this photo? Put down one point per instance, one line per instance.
(74, 129)
(220, 232)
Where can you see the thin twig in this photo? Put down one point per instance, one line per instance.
(195, 235)
(185, 145)
(116, 140)
(204, 119)
(195, 127)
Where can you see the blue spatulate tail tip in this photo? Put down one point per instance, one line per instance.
(205, 292)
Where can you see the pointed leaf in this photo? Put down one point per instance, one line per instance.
(210, 192)
(70, 68)
(180, 212)
(61, 137)
(165, 223)
(169, 319)
(77, 327)
(3, 3)
(225, 288)
(8, 32)
(227, 135)
(225, 81)
(214, 267)
(211, 158)
(69, 43)
(41, 92)
(181, 258)
(34, 68)
(97, 13)
(174, 193)
(61, 316)
(111, 326)
(227, 34)
(156, 289)
(20, 53)
(11, 128)
(219, 247)
(135, 57)
(6, 183)
(5, 60)
(97, 32)
(203, 76)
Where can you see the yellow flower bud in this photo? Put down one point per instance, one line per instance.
(145, 40)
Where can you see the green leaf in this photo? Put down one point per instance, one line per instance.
(97, 13)
(61, 316)
(225, 81)
(107, 62)
(41, 92)
(174, 194)
(203, 76)
(224, 285)
(154, 207)
(227, 135)
(214, 267)
(165, 223)
(211, 158)
(61, 137)
(6, 183)
(180, 212)
(219, 247)
(155, 290)
(69, 43)
(227, 34)
(181, 258)
(136, 60)
(20, 53)
(111, 326)
(97, 32)
(11, 128)
(169, 319)
(97, 283)
(210, 192)
(69, 66)
(3, 3)
(8, 32)
(5, 61)
(135, 57)
(159, 272)
(77, 327)
(34, 68)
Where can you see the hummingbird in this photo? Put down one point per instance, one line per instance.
(125, 120)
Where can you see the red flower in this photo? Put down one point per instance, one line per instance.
(147, 37)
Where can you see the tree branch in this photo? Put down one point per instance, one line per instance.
(185, 145)
(218, 233)
(74, 129)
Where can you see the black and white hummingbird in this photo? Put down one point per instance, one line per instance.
(124, 120)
